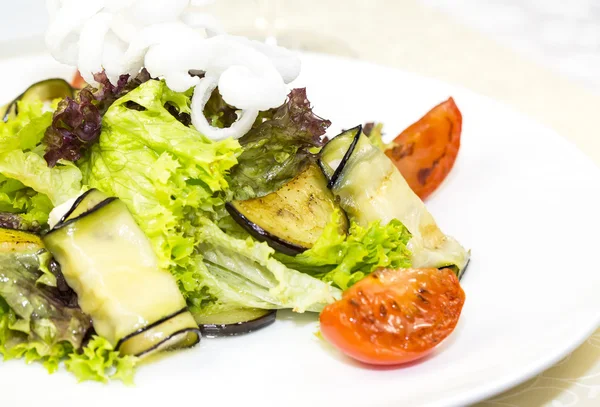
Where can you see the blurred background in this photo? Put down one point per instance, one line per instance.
(563, 36)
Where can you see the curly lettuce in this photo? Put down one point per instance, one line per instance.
(26, 130)
(347, 259)
(97, 361)
(22, 207)
(100, 362)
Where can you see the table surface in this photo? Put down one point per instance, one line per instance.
(542, 57)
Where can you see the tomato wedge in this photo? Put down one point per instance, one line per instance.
(78, 82)
(426, 151)
(394, 316)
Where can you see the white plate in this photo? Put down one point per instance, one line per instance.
(521, 197)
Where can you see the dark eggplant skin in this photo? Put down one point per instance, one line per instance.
(336, 174)
(147, 327)
(238, 328)
(77, 202)
(325, 170)
(462, 272)
(96, 208)
(262, 235)
(168, 338)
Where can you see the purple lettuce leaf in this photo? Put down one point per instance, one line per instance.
(277, 147)
(77, 123)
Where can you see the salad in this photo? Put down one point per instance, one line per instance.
(176, 190)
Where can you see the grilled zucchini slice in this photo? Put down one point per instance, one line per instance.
(292, 218)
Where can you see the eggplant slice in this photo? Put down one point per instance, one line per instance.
(236, 322)
(46, 91)
(371, 188)
(337, 152)
(109, 262)
(85, 202)
(292, 218)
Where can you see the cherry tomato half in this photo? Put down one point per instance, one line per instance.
(394, 316)
(425, 152)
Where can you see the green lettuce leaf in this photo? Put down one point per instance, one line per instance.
(26, 130)
(218, 112)
(244, 273)
(59, 184)
(22, 207)
(28, 188)
(97, 361)
(100, 362)
(345, 260)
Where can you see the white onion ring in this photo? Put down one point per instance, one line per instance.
(169, 38)
(247, 78)
(125, 30)
(114, 49)
(202, 93)
(284, 60)
(157, 34)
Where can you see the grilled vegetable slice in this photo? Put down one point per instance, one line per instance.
(236, 322)
(45, 91)
(371, 188)
(337, 152)
(18, 241)
(292, 218)
(85, 202)
(109, 262)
